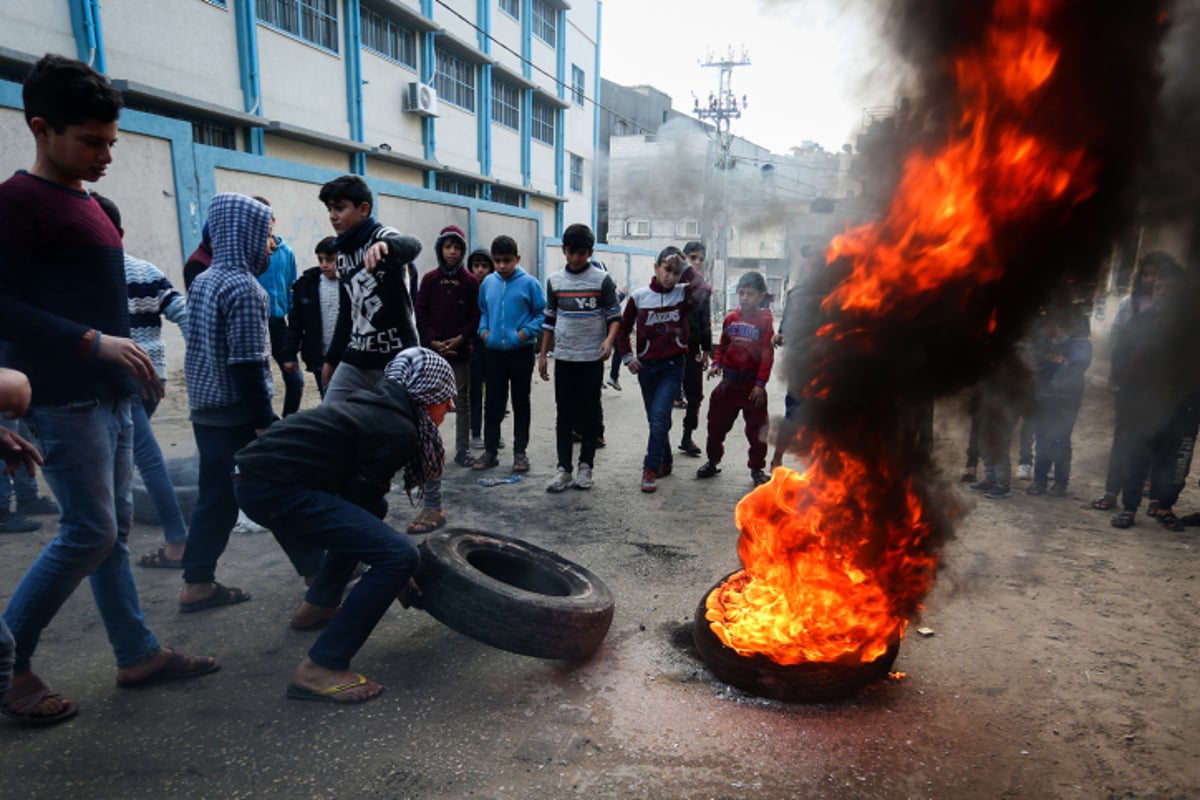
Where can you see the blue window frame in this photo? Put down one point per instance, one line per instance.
(506, 104)
(455, 80)
(509, 197)
(545, 22)
(445, 183)
(576, 173)
(577, 80)
(511, 7)
(314, 21)
(388, 38)
(544, 120)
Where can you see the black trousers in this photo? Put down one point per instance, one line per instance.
(577, 402)
(508, 369)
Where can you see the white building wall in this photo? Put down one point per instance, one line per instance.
(506, 155)
(457, 135)
(449, 19)
(37, 27)
(384, 118)
(188, 64)
(301, 84)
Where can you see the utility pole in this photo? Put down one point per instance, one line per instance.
(721, 109)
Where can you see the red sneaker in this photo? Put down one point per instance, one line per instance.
(649, 481)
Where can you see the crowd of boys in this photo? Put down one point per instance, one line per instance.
(86, 370)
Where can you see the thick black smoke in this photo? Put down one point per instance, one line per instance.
(1103, 97)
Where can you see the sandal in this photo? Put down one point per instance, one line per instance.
(1105, 503)
(1168, 520)
(520, 462)
(221, 596)
(1192, 519)
(24, 709)
(158, 560)
(486, 461)
(1123, 519)
(427, 521)
(177, 666)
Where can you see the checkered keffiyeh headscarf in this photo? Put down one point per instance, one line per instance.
(429, 380)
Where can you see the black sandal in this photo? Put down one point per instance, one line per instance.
(1123, 519)
(1106, 503)
(1168, 520)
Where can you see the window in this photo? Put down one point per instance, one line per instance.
(455, 80)
(637, 227)
(214, 134)
(545, 22)
(576, 173)
(506, 104)
(577, 80)
(509, 197)
(388, 38)
(445, 183)
(511, 7)
(543, 122)
(620, 128)
(687, 229)
(313, 21)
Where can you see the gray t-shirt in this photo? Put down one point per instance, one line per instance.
(579, 308)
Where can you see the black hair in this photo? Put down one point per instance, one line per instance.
(261, 199)
(109, 208)
(695, 247)
(752, 280)
(481, 256)
(65, 92)
(326, 247)
(347, 187)
(578, 237)
(504, 245)
(1151, 262)
(667, 252)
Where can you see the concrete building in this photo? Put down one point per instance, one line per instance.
(667, 183)
(473, 112)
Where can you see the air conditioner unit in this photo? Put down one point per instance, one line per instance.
(421, 99)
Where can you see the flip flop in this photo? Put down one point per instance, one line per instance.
(221, 596)
(329, 695)
(178, 666)
(23, 709)
(158, 560)
(427, 521)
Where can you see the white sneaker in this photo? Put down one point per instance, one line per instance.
(1025, 471)
(583, 477)
(562, 481)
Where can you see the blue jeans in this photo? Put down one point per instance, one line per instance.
(24, 484)
(660, 382)
(149, 461)
(309, 519)
(216, 510)
(7, 655)
(89, 465)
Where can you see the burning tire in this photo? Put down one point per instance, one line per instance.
(512, 595)
(795, 683)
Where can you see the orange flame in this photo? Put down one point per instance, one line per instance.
(838, 594)
(837, 559)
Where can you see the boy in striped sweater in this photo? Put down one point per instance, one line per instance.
(581, 320)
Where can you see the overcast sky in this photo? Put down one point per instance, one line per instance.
(814, 63)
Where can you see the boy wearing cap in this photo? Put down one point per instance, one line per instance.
(743, 360)
(447, 308)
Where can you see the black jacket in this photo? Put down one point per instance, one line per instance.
(351, 449)
(305, 330)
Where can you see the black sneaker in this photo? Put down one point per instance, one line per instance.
(1035, 489)
(664, 470)
(689, 447)
(998, 492)
(1057, 490)
(15, 523)
(983, 486)
(37, 506)
(969, 476)
(463, 459)
(707, 470)
(759, 477)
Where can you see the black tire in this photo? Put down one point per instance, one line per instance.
(184, 473)
(795, 683)
(512, 595)
(145, 513)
